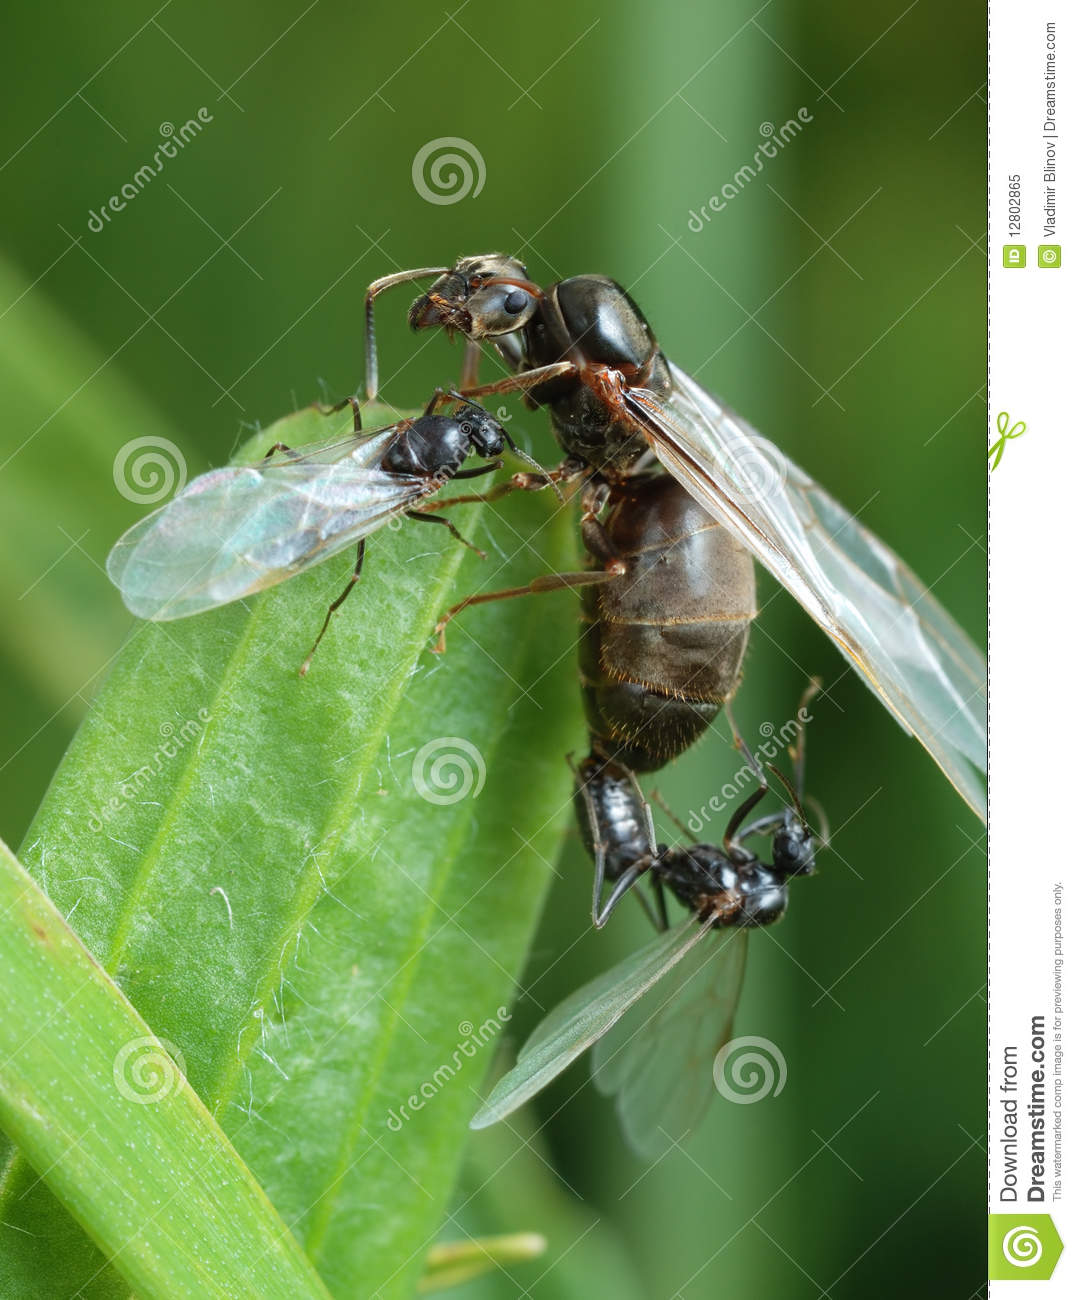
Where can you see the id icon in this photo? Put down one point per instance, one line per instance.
(1013, 255)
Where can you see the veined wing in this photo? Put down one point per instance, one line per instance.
(658, 1060)
(897, 636)
(237, 530)
(574, 1024)
(364, 446)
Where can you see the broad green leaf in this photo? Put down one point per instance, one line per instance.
(104, 1113)
(272, 872)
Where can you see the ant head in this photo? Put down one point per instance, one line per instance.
(794, 847)
(482, 431)
(764, 896)
(480, 297)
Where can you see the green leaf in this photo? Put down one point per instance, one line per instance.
(105, 1116)
(269, 869)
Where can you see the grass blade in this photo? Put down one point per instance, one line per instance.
(104, 1114)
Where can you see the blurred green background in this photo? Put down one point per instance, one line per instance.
(837, 302)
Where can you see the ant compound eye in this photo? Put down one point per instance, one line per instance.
(515, 302)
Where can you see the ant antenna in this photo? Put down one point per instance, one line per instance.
(792, 793)
(551, 482)
(797, 754)
(738, 742)
(729, 840)
(379, 286)
(823, 821)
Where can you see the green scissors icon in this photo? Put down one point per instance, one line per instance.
(1002, 423)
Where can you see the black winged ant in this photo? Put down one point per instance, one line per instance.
(651, 1055)
(240, 529)
(583, 349)
(728, 880)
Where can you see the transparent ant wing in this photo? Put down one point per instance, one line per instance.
(903, 644)
(573, 1025)
(238, 530)
(658, 1060)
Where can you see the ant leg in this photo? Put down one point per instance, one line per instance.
(601, 912)
(546, 582)
(469, 371)
(660, 902)
(336, 604)
(623, 883)
(478, 471)
(762, 825)
(353, 402)
(518, 483)
(440, 519)
(283, 448)
(379, 286)
(470, 498)
(657, 798)
(583, 791)
(514, 383)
